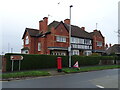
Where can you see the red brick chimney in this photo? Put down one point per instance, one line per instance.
(106, 46)
(83, 28)
(43, 24)
(45, 20)
(95, 30)
(67, 21)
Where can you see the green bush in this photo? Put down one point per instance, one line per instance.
(117, 57)
(107, 58)
(95, 54)
(35, 61)
(86, 60)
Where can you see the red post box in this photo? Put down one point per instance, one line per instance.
(59, 64)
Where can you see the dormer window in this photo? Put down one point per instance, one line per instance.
(26, 40)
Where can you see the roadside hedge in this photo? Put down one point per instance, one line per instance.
(34, 61)
(86, 60)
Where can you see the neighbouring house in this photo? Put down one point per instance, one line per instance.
(115, 49)
(54, 39)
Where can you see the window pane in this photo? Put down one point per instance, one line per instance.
(26, 40)
(57, 38)
(75, 52)
(61, 39)
(99, 43)
(39, 46)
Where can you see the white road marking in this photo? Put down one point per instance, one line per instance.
(3, 81)
(99, 86)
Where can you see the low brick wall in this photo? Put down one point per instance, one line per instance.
(108, 62)
(3, 64)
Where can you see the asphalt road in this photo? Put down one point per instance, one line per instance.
(93, 79)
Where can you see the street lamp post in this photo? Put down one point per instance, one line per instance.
(70, 38)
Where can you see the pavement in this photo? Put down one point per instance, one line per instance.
(55, 72)
(52, 71)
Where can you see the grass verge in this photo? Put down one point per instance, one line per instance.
(91, 68)
(24, 74)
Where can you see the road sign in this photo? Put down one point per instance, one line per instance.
(16, 58)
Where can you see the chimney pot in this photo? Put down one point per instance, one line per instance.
(95, 30)
(40, 25)
(67, 21)
(45, 20)
(43, 24)
(83, 28)
(106, 45)
(110, 45)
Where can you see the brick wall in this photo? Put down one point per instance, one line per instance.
(61, 31)
(3, 64)
(50, 39)
(98, 38)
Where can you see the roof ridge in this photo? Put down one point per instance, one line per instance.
(32, 29)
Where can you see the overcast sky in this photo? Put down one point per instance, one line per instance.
(16, 15)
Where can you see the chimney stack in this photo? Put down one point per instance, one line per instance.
(95, 30)
(110, 45)
(45, 20)
(106, 45)
(83, 28)
(43, 24)
(67, 21)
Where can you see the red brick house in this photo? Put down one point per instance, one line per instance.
(54, 39)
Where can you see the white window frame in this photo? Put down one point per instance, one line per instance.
(26, 40)
(77, 40)
(87, 53)
(99, 43)
(60, 39)
(75, 52)
(81, 41)
(72, 40)
(39, 46)
(87, 41)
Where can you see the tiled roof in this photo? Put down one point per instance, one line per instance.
(25, 48)
(32, 32)
(75, 30)
(114, 49)
(98, 33)
(78, 32)
(53, 24)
